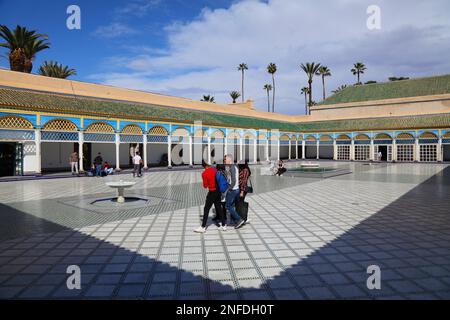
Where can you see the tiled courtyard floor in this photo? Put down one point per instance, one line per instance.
(307, 239)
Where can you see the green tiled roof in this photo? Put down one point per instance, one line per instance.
(54, 103)
(391, 90)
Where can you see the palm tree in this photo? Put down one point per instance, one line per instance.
(242, 67)
(272, 68)
(358, 69)
(311, 70)
(208, 98)
(323, 72)
(268, 88)
(234, 95)
(23, 45)
(305, 91)
(55, 70)
(340, 88)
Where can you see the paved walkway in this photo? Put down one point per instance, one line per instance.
(308, 238)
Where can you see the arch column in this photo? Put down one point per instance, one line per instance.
(80, 150)
(289, 149)
(144, 141)
(267, 150)
(394, 150)
(117, 152)
(372, 150)
(37, 142)
(416, 150)
(439, 152)
(169, 152)
(241, 148)
(191, 163)
(209, 150)
(335, 150)
(278, 149)
(352, 150)
(303, 149)
(318, 149)
(296, 149)
(255, 151)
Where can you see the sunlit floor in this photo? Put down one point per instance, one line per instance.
(307, 239)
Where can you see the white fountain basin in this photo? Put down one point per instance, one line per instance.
(120, 186)
(309, 165)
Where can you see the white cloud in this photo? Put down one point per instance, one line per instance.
(203, 54)
(114, 30)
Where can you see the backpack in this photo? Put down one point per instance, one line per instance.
(222, 182)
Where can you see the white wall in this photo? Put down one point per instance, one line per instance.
(326, 152)
(108, 151)
(29, 157)
(56, 154)
(284, 152)
(155, 152)
(311, 152)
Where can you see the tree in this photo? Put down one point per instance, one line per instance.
(272, 69)
(323, 72)
(23, 45)
(268, 88)
(370, 82)
(208, 98)
(311, 69)
(242, 67)
(398, 78)
(358, 69)
(305, 91)
(55, 70)
(340, 88)
(234, 95)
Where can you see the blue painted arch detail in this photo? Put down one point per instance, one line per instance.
(32, 118)
(47, 119)
(88, 122)
(123, 124)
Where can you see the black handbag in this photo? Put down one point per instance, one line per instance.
(242, 209)
(249, 189)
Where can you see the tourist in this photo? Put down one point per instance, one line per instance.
(222, 185)
(107, 168)
(233, 192)
(213, 196)
(380, 155)
(244, 177)
(74, 163)
(137, 162)
(98, 161)
(281, 169)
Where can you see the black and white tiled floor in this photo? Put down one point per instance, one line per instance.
(308, 239)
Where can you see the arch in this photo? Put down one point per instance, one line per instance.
(343, 137)
(428, 135)
(158, 131)
(273, 137)
(200, 133)
(249, 135)
(325, 137)
(300, 137)
(100, 127)
(131, 129)
(383, 136)
(60, 125)
(362, 136)
(311, 138)
(180, 132)
(15, 122)
(404, 136)
(262, 136)
(218, 134)
(294, 138)
(284, 137)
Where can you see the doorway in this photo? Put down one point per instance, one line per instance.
(383, 150)
(446, 152)
(7, 159)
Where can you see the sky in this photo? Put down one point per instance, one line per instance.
(190, 48)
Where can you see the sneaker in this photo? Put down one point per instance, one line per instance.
(239, 224)
(200, 230)
(247, 221)
(224, 227)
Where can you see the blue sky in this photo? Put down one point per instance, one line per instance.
(190, 48)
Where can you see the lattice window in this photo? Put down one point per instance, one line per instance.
(362, 153)
(383, 136)
(60, 125)
(10, 122)
(157, 139)
(100, 127)
(405, 136)
(428, 152)
(16, 135)
(59, 136)
(131, 138)
(132, 129)
(428, 135)
(405, 152)
(99, 137)
(343, 152)
(158, 131)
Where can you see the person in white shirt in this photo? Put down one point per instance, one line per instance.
(137, 162)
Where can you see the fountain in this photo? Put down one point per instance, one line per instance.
(120, 186)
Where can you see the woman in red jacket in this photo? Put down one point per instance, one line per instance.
(213, 197)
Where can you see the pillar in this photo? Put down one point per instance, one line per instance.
(416, 150)
(289, 157)
(241, 148)
(278, 149)
(191, 161)
(117, 152)
(144, 141)
(80, 150)
(267, 151)
(335, 150)
(439, 152)
(255, 151)
(296, 149)
(37, 142)
(394, 150)
(169, 152)
(372, 151)
(317, 149)
(209, 150)
(352, 150)
(303, 149)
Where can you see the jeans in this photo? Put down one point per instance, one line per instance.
(74, 167)
(98, 170)
(137, 170)
(213, 197)
(230, 203)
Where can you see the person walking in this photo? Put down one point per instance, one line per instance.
(244, 177)
(74, 163)
(98, 161)
(222, 185)
(137, 162)
(213, 197)
(233, 192)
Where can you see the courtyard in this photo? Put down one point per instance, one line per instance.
(308, 238)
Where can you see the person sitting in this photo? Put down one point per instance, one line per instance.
(281, 169)
(107, 168)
